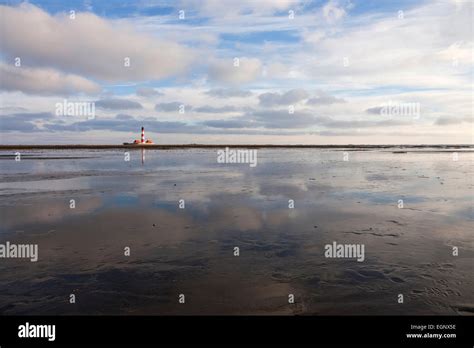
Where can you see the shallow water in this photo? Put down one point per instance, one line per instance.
(190, 251)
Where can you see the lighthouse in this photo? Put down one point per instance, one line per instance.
(142, 140)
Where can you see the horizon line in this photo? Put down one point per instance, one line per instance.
(171, 146)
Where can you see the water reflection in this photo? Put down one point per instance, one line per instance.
(190, 250)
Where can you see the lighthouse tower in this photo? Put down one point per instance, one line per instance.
(141, 141)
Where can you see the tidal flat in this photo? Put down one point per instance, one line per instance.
(182, 215)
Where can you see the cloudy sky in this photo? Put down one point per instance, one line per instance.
(237, 71)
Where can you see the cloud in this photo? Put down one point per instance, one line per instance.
(12, 109)
(172, 106)
(9, 124)
(148, 92)
(334, 11)
(283, 119)
(376, 110)
(124, 117)
(255, 122)
(23, 122)
(313, 36)
(277, 70)
(270, 119)
(445, 120)
(43, 81)
(329, 133)
(219, 8)
(422, 61)
(118, 104)
(224, 70)
(33, 116)
(88, 45)
(216, 110)
(291, 97)
(228, 93)
(123, 125)
(161, 127)
(352, 124)
(235, 123)
(323, 98)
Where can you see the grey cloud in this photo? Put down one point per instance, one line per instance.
(25, 116)
(123, 117)
(291, 97)
(8, 124)
(151, 124)
(10, 109)
(23, 122)
(344, 124)
(446, 120)
(148, 92)
(283, 119)
(118, 104)
(228, 93)
(343, 133)
(234, 123)
(124, 125)
(271, 119)
(376, 110)
(323, 98)
(172, 106)
(216, 110)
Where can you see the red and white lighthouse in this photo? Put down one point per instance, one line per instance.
(142, 140)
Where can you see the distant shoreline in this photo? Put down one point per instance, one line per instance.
(214, 146)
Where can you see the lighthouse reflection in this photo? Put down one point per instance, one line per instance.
(143, 151)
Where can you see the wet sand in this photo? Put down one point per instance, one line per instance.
(190, 251)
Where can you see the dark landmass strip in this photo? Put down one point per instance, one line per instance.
(214, 146)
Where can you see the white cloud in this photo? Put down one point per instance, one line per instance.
(225, 71)
(314, 36)
(219, 8)
(333, 11)
(277, 70)
(88, 45)
(391, 51)
(43, 81)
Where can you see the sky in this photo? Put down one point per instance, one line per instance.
(237, 71)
